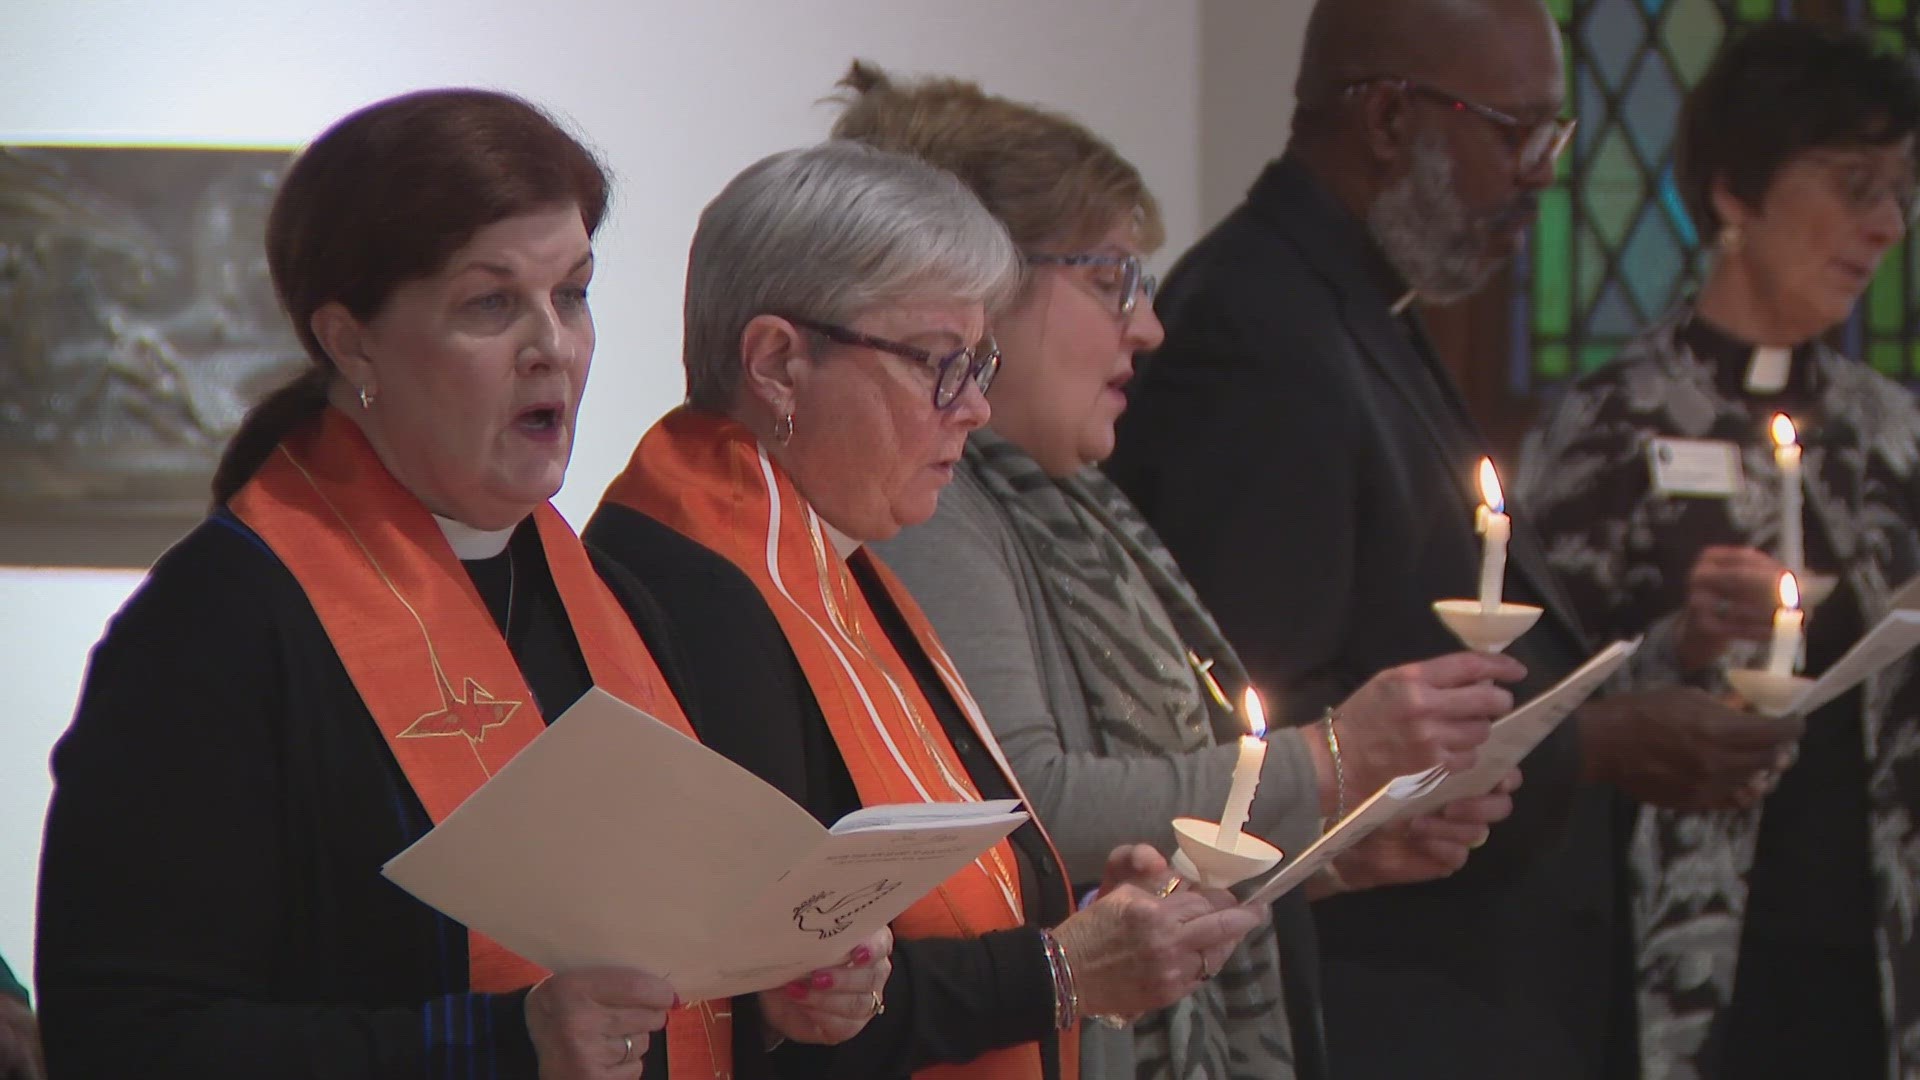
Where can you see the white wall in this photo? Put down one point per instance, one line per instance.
(1250, 53)
(679, 97)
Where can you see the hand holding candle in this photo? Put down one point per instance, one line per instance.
(1787, 623)
(1246, 775)
(1786, 455)
(1493, 524)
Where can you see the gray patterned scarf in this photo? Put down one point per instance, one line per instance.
(1129, 619)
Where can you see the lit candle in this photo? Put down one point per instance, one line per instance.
(1246, 775)
(1495, 526)
(1786, 454)
(1787, 622)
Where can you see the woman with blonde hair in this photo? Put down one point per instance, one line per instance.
(1101, 673)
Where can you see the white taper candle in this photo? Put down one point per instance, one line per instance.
(1786, 454)
(1246, 775)
(1495, 529)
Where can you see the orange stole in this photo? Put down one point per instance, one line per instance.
(707, 478)
(425, 657)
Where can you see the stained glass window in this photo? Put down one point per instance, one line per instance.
(1613, 246)
(1885, 331)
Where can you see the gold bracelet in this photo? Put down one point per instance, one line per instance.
(1339, 770)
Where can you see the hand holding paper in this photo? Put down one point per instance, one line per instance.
(615, 840)
(1408, 718)
(830, 1006)
(1511, 739)
(1428, 846)
(577, 1019)
(1133, 951)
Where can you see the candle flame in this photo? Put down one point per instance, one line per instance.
(1783, 432)
(1490, 487)
(1256, 714)
(1789, 591)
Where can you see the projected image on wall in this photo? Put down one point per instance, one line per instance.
(137, 323)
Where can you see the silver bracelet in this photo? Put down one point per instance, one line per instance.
(1339, 771)
(1066, 999)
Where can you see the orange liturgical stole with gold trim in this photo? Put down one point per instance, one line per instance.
(708, 478)
(424, 653)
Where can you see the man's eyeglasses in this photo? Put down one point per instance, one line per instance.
(951, 371)
(1861, 186)
(1534, 144)
(1133, 278)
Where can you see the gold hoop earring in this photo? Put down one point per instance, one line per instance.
(366, 399)
(783, 429)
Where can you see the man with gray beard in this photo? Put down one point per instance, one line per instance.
(1311, 464)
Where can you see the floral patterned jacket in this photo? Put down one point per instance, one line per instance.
(1622, 550)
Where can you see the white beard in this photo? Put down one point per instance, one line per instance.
(1425, 233)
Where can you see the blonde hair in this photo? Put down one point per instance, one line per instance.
(1044, 175)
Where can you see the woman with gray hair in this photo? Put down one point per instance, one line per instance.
(836, 358)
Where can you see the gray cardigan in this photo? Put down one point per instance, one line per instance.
(968, 569)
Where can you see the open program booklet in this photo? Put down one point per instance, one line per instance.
(1514, 737)
(613, 839)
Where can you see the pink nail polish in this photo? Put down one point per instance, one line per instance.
(862, 955)
(822, 981)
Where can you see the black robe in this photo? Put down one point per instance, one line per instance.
(949, 999)
(1769, 937)
(211, 902)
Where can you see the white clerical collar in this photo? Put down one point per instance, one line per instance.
(1768, 369)
(470, 543)
(843, 545)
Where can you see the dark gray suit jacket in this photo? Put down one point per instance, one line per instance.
(1311, 465)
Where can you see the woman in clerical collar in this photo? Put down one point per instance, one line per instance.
(836, 355)
(381, 611)
(1773, 940)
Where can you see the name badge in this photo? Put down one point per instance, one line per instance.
(1695, 468)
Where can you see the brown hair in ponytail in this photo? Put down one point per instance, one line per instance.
(386, 195)
(1042, 173)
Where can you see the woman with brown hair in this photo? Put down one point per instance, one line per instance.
(1104, 677)
(380, 611)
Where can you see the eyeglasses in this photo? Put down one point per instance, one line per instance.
(1533, 144)
(1861, 186)
(951, 372)
(1134, 279)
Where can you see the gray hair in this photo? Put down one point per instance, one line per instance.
(831, 232)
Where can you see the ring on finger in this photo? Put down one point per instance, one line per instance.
(879, 1006)
(626, 1054)
(1205, 971)
(1167, 890)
